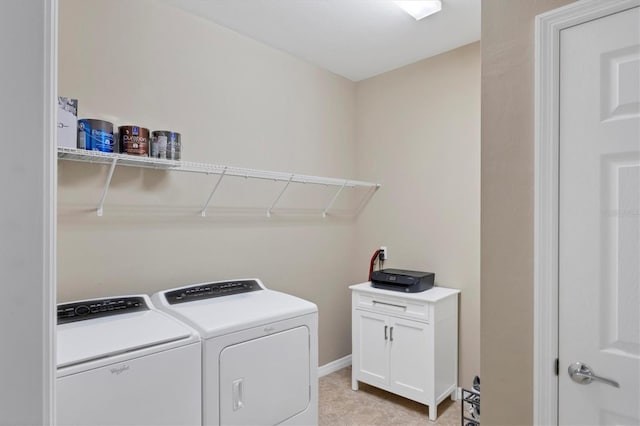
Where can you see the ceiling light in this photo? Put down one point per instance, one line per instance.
(420, 9)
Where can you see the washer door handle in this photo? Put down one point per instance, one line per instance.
(237, 394)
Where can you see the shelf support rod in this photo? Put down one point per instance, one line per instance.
(279, 196)
(203, 213)
(333, 200)
(365, 200)
(106, 185)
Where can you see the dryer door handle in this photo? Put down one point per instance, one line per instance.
(237, 394)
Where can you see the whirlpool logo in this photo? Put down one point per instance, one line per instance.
(119, 370)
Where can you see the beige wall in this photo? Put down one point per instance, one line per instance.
(418, 132)
(236, 102)
(507, 208)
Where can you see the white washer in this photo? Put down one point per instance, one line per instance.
(123, 362)
(260, 351)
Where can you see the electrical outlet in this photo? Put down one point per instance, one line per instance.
(384, 253)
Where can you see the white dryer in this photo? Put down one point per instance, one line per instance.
(260, 351)
(122, 362)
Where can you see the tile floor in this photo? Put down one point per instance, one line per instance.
(340, 406)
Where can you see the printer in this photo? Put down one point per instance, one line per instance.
(402, 280)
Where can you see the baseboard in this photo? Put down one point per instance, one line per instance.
(334, 366)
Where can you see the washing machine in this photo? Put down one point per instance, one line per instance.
(123, 362)
(259, 351)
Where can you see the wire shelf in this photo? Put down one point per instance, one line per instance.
(114, 159)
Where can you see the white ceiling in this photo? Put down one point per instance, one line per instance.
(353, 38)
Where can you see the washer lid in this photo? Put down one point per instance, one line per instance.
(227, 314)
(91, 339)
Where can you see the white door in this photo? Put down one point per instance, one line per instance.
(409, 358)
(372, 350)
(599, 226)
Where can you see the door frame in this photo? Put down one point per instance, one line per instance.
(28, 224)
(547, 125)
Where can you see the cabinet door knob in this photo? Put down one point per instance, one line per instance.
(385, 332)
(391, 334)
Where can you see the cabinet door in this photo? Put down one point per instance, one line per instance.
(372, 348)
(411, 358)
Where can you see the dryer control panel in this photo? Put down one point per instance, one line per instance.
(97, 308)
(208, 291)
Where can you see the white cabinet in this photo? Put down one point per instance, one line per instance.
(406, 343)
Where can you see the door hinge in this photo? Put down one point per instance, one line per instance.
(557, 367)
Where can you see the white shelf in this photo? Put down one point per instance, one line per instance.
(98, 157)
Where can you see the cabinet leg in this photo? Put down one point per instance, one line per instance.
(354, 384)
(454, 395)
(433, 412)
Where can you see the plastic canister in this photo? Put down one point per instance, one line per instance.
(166, 144)
(134, 140)
(96, 135)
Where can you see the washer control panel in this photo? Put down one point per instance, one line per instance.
(208, 291)
(97, 308)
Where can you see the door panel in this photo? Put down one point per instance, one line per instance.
(159, 389)
(408, 365)
(599, 218)
(620, 310)
(265, 381)
(373, 347)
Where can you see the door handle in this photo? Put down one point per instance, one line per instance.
(237, 394)
(583, 374)
(391, 334)
(385, 332)
(390, 305)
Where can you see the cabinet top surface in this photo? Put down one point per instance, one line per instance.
(434, 294)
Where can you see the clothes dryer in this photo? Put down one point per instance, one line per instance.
(260, 351)
(122, 362)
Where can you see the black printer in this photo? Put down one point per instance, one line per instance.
(401, 280)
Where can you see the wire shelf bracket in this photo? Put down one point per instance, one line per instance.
(107, 183)
(203, 213)
(333, 200)
(279, 196)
